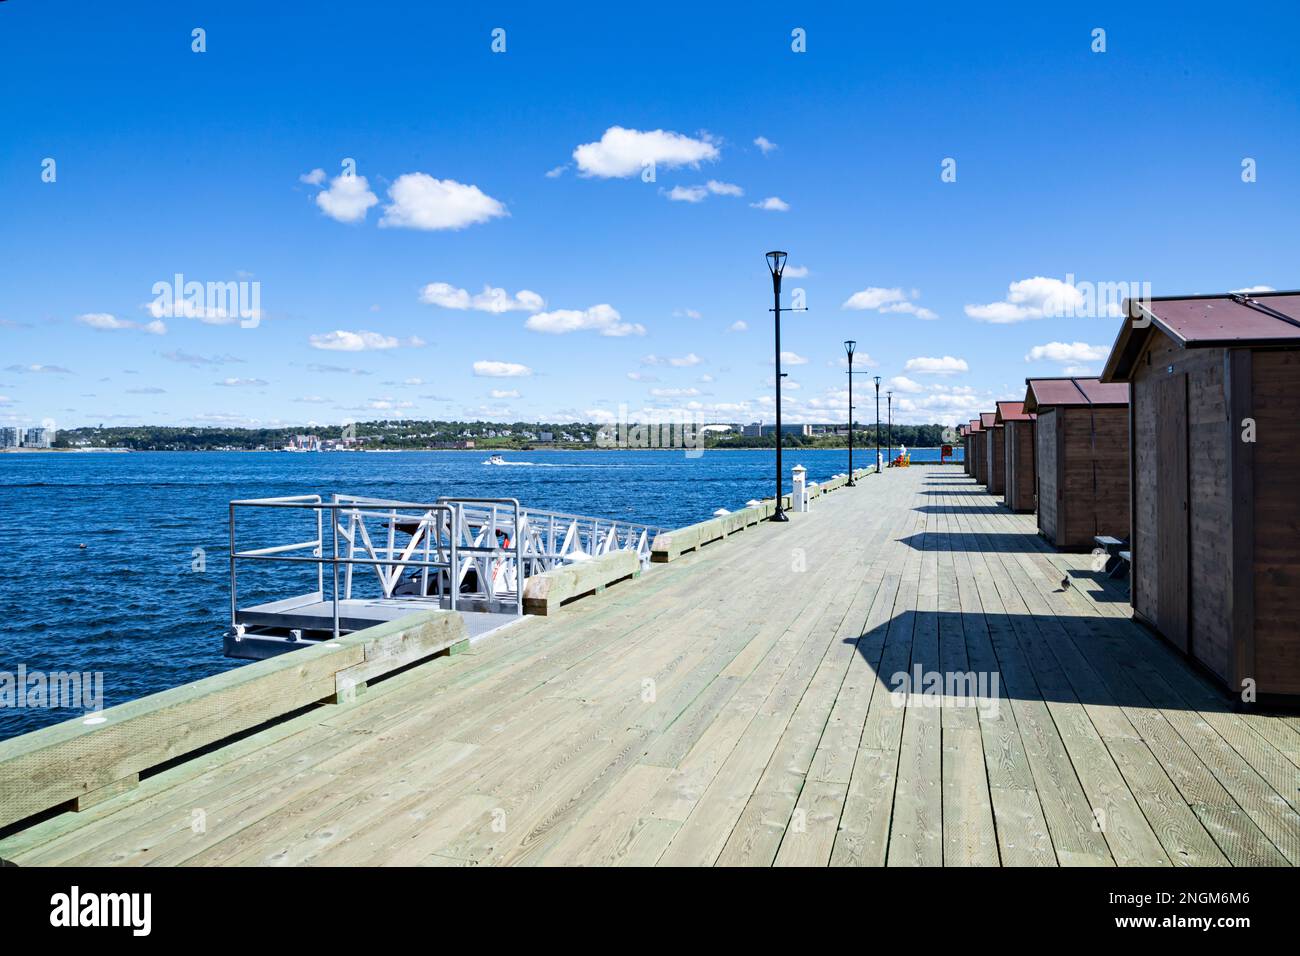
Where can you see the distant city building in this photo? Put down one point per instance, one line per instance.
(753, 431)
(771, 430)
(546, 436)
(303, 443)
(37, 437)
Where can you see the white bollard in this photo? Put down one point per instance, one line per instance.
(880, 462)
(799, 489)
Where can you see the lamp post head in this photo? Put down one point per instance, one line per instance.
(776, 262)
(849, 346)
(877, 381)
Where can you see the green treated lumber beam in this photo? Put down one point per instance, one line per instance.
(74, 761)
(544, 593)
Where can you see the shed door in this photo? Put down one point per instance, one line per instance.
(1173, 516)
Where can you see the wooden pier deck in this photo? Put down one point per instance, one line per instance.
(731, 707)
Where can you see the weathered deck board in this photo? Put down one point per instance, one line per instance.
(734, 707)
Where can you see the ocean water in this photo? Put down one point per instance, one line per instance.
(131, 605)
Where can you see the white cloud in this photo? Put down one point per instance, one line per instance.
(765, 144)
(795, 272)
(723, 189)
(1031, 299)
(1077, 370)
(694, 194)
(793, 358)
(343, 341)
(642, 377)
(688, 313)
(501, 370)
(110, 323)
(872, 297)
(102, 320)
(601, 318)
(910, 308)
(192, 308)
(39, 369)
(1255, 288)
(313, 178)
(674, 392)
(241, 382)
(621, 153)
(557, 171)
(685, 361)
(421, 202)
(883, 300)
(688, 194)
(348, 198)
(901, 383)
(936, 366)
(740, 325)
(491, 299)
(1067, 352)
(505, 393)
(772, 204)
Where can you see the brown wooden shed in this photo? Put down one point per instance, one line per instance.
(1018, 433)
(1215, 418)
(1081, 457)
(977, 448)
(970, 446)
(995, 451)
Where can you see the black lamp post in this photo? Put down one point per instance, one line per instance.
(877, 423)
(849, 346)
(776, 265)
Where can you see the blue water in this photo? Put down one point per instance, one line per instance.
(130, 604)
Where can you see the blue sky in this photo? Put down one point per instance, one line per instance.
(1115, 166)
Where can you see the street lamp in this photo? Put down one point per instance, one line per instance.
(877, 424)
(776, 265)
(849, 346)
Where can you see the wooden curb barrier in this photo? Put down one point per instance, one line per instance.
(544, 593)
(79, 764)
(671, 545)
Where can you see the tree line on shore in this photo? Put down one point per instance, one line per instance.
(416, 434)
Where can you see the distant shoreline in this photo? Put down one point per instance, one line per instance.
(393, 451)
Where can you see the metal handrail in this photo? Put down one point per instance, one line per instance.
(459, 534)
(279, 553)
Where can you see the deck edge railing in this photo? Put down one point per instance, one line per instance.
(671, 545)
(81, 762)
(545, 593)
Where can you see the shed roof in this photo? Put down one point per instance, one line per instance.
(975, 426)
(1204, 321)
(987, 420)
(1049, 392)
(1013, 412)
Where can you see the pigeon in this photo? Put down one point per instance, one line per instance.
(1065, 582)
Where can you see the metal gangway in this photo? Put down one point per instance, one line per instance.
(377, 559)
